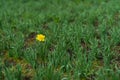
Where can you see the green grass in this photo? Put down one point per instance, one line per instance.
(82, 40)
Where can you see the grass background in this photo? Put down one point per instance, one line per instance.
(82, 40)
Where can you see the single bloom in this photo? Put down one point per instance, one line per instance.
(40, 37)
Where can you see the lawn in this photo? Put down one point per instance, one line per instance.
(80, 40)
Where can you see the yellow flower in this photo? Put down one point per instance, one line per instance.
(40, 37)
